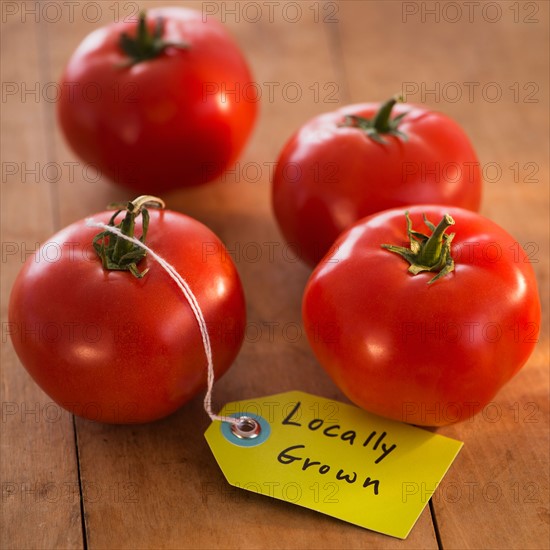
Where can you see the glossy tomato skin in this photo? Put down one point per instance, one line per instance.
(423, 354)
(172, 121)
(113, 348)
(329, 176)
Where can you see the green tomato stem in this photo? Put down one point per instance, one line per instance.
(381, 124)
(146, 45)
(381, 121)
(431, 251)
(428, 253)
(119, 254)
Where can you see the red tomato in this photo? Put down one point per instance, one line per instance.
(174, 114)
(113, 347)
(415, 349)
(361, 159)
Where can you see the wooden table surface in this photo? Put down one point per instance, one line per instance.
(73, 483)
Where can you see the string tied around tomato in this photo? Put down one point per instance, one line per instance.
(118, 253)
(124, 250)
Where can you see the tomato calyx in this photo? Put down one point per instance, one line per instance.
(146, 45)
(381, 123)
(428, 253)
(118, 253)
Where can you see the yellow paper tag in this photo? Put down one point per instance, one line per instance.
(334, 458)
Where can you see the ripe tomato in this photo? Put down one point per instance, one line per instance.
(350, 163)
(161, 101)
(116, 347)
(431, 348)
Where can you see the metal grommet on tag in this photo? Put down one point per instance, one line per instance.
(246, 428)
(250, 431)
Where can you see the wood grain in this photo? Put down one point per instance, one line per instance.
(40, 484)
(157, 485)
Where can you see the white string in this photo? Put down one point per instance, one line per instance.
(197, 312)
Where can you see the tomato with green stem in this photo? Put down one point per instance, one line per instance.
(160, 104)
(419, 324)
(104, 330)
(350, 163)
